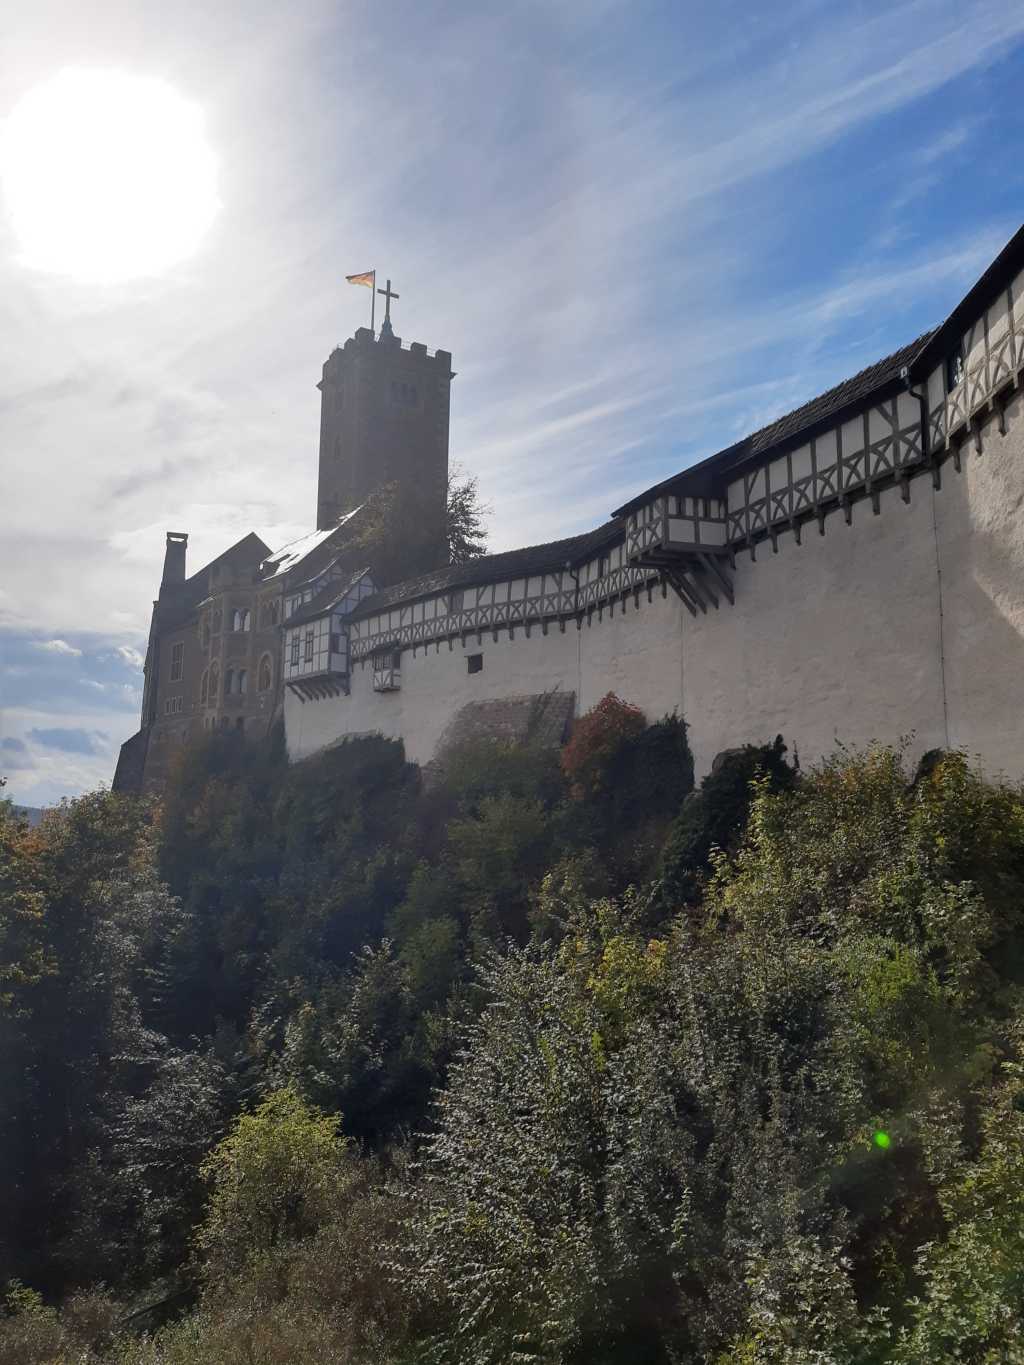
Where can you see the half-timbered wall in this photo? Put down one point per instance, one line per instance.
(878, 593)
(633, 648)
(858, 456)
(307, 649)
(991, 354)
(471, 611)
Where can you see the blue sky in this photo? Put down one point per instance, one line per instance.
(642, 229)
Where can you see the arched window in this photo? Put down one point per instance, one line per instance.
(204, 688)
(229, 682)
(265, 676)
(240, 619)
(243, 681)
(214, 683)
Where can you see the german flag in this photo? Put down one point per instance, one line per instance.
(368, 278)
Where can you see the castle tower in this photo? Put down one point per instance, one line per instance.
(384, 420)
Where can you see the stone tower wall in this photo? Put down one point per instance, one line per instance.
(384, 420)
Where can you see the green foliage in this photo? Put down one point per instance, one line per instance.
(597, 740)
(272, 1179)
(465, 515)
(714, 816)
(629, 1073)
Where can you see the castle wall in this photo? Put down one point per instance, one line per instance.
(634, 651)
(833, 640)
(980, 525)
(907, 622)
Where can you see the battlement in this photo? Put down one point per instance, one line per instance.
(363, 338)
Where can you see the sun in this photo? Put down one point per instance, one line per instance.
(106, 176)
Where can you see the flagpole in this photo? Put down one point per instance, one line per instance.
(373, 303)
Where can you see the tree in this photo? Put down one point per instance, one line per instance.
(274, 1178)
(467, 538)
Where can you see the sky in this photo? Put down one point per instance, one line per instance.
(642, 229)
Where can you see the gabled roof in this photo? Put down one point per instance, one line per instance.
(1006, 266)
(524, 563)
(326, 599)
(878, 381)
(180, 603)
(297, 552)
(828, 409)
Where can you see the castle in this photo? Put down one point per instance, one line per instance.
(852, 572)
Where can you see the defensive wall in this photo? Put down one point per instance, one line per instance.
(853, 573)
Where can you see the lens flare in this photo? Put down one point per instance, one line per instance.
(881, 1139)
(106, 176)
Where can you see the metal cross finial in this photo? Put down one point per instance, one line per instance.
(388, 296)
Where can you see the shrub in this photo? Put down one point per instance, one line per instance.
(273, 1178)
(596, 740)
(714, 816)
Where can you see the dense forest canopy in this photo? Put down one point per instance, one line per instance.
(537, 1056)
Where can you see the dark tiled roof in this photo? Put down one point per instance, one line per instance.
(532, 559)
(796, 426)
(326, 598)
(996, 278)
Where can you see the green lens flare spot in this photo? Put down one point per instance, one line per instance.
(881, 1139)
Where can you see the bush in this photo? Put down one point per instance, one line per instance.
(596, 740)
(714, 816)
(274, 1178)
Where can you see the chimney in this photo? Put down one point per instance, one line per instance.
(174, 558)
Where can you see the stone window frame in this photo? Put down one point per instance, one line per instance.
(241, 621)
(266, 663)
(177, 661)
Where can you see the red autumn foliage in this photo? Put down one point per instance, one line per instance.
(596, 739)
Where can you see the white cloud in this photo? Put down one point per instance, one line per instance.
(59, 647)
(689, 225)
(131, 656)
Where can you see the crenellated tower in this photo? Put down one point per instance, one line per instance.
(384, 420)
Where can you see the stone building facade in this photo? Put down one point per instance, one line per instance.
(853, 572)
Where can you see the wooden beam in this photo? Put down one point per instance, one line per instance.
(714, 568)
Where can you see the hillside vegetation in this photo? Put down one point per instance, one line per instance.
(550, 1059)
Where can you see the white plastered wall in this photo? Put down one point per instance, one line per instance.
(980, 521)
(833, 640)
(634, 651)
(908, 623)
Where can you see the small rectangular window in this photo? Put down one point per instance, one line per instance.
(308, 654)
(177, 661)
(295, 648)
(475, 663)
(456, 601)
(954, 369)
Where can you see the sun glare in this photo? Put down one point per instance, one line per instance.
(106, 176)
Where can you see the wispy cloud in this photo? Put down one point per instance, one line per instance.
(69, 740)
(132, 657)
(642, 228)
(59, 647)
